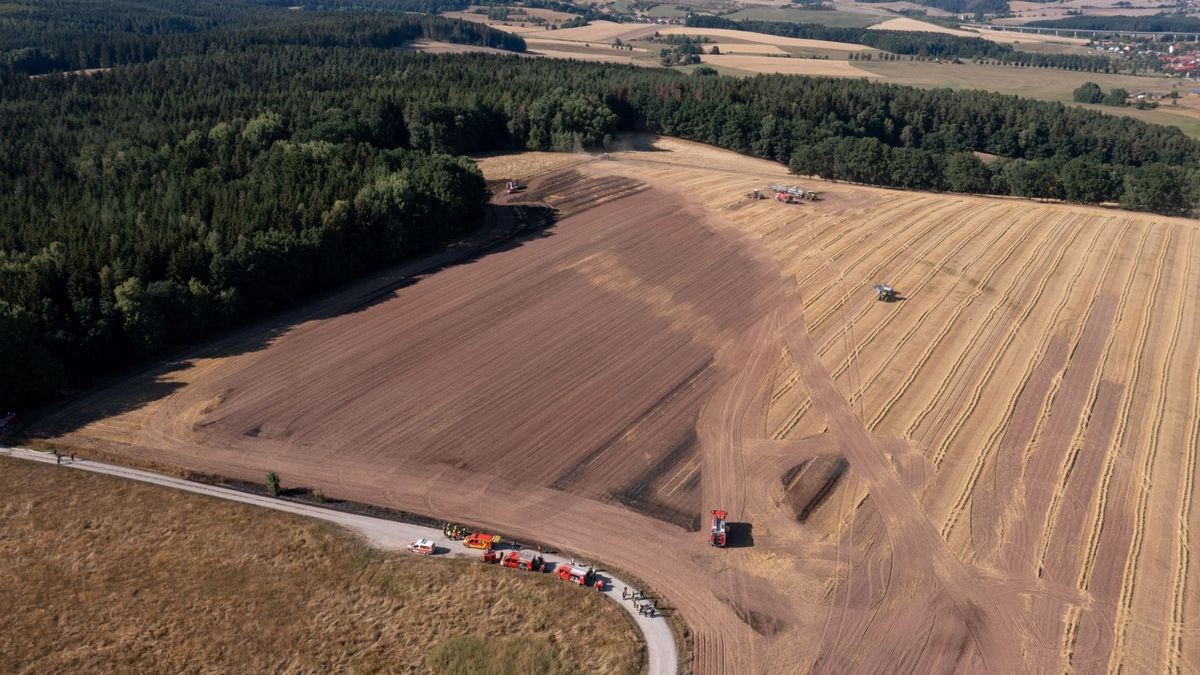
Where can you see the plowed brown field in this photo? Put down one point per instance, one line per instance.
(993, 473)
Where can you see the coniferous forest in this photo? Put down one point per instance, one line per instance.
(230, 163)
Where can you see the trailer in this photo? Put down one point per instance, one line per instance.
(578, 574)
(717, 533)
(527, 560)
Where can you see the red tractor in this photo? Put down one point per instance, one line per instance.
(527, 560)
(576, 574)
(717, 532)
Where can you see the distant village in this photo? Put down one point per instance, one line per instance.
(1180, 59)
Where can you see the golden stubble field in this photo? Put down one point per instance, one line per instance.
(1033, 401)
(99, 574)
(994, 472)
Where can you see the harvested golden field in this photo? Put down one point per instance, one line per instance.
(100, 574)
(1024, 12)
(917, 26)
(756, 63)
(994, 472)
(718, 34)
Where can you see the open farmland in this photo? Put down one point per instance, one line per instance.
(995, 472)
(102, 574)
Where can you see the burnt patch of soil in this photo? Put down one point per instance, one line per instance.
(761, 622)
(569, 192)
(808, 484)
(688, 520)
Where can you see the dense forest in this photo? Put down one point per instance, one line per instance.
(246, 168)
(918, 44)
(1161, 23)
(66, 35)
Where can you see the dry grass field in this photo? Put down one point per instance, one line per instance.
(760, 63)
(99, 574)
(993, 473)
(1024, 12)
(914, 25)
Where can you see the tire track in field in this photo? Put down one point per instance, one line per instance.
(1183, 532)
(1019, 427)
(1066, 413)
(795, 418)
(1098, 637)
(931, 347)
(900, 511)
(1046, 459)
(821, 319)
(950, 228)
(966, 493)
(910, 432)
(866, 228)
(797, 415)
(1064, 488)
(838, 279)
(1125, 604)
(995, 334)
(787, 384)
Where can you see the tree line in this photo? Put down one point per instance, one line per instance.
(918, 44)
(1160, 23)
(66, 35)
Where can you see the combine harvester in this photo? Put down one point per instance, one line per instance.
(512, 186)
(792, 194)
(717, 532)
(527, 560)
(885, 293)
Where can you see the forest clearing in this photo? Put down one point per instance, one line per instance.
(995, 471)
